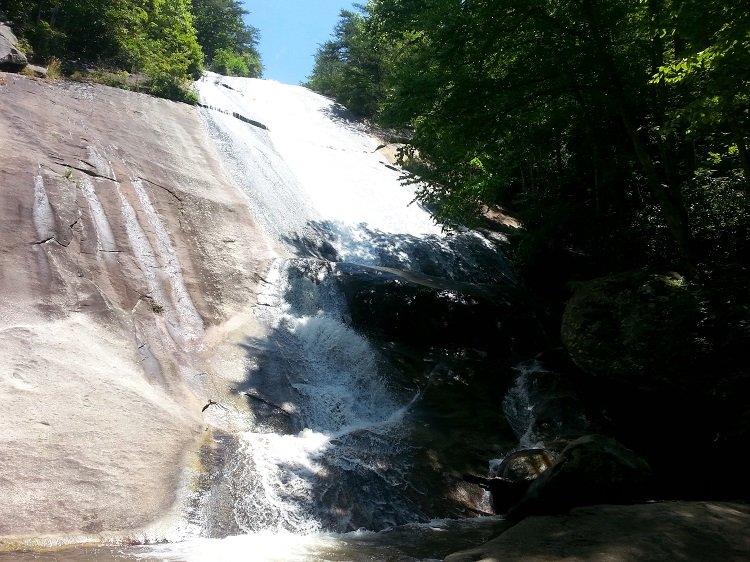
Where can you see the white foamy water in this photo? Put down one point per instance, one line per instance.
(332, 159)
(340, 423)
(312, 174)
(423, 542)
(328, 450)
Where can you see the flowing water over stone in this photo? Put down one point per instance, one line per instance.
(385, 353)
(334, 440)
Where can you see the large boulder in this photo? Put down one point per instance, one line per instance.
(512, 477)
(591, 470)
(637, 328)
(663, 362)
(10, 57)
(503, 492)
(527, 464)
(120, 307)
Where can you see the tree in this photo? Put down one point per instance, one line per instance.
(350, 67)
(163, 40)
(230, 45)
(710, 61)
(609, 127)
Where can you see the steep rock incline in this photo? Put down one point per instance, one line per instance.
(128, 259)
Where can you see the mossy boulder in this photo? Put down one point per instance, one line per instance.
(664, 363)
(638, 328)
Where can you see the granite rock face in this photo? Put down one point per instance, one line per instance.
(124, 274)
(10, 57)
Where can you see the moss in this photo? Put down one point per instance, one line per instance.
(636, 327)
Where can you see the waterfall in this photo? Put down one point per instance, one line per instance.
(331, 444)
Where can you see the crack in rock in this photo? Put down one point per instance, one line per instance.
(171, 192)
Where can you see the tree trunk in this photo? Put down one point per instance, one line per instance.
(666, 192)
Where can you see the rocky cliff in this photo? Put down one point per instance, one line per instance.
(127, 261)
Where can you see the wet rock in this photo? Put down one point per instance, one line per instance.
(426, 311)
(513, 476)
(664, 363)
(544, 407)
(503, 492)
(108, 289)
(10, 57)
(591, 470)
(527, 464)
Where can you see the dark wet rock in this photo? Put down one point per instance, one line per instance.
(466, 256)
(686, 531)
(503, 492)
(544, 406)
(663, 362)
(512, 478)
(10, 57)
(591, 470)
(527, 464)
(431, 312)
(454, 388)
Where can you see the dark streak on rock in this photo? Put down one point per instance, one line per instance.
(171, 192)
(92, 174)
(236, 116)
(266, 402)
(50, 239)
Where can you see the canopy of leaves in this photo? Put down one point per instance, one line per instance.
(349, 67)
(158, 39)
(606, 126)
(230, 45)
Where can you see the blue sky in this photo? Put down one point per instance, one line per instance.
(290, 32)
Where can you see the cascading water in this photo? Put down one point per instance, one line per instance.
(341, 428)
(331, 446)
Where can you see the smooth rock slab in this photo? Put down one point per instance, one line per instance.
(686, 531)
(126, 276)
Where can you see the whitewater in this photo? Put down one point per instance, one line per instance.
(327, 464)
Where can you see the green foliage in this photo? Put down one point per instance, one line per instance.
(160, 41)
(591, 121)
(118, 79)
(157, 39)
(231, 63)
(350, 67)
(230, 45)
